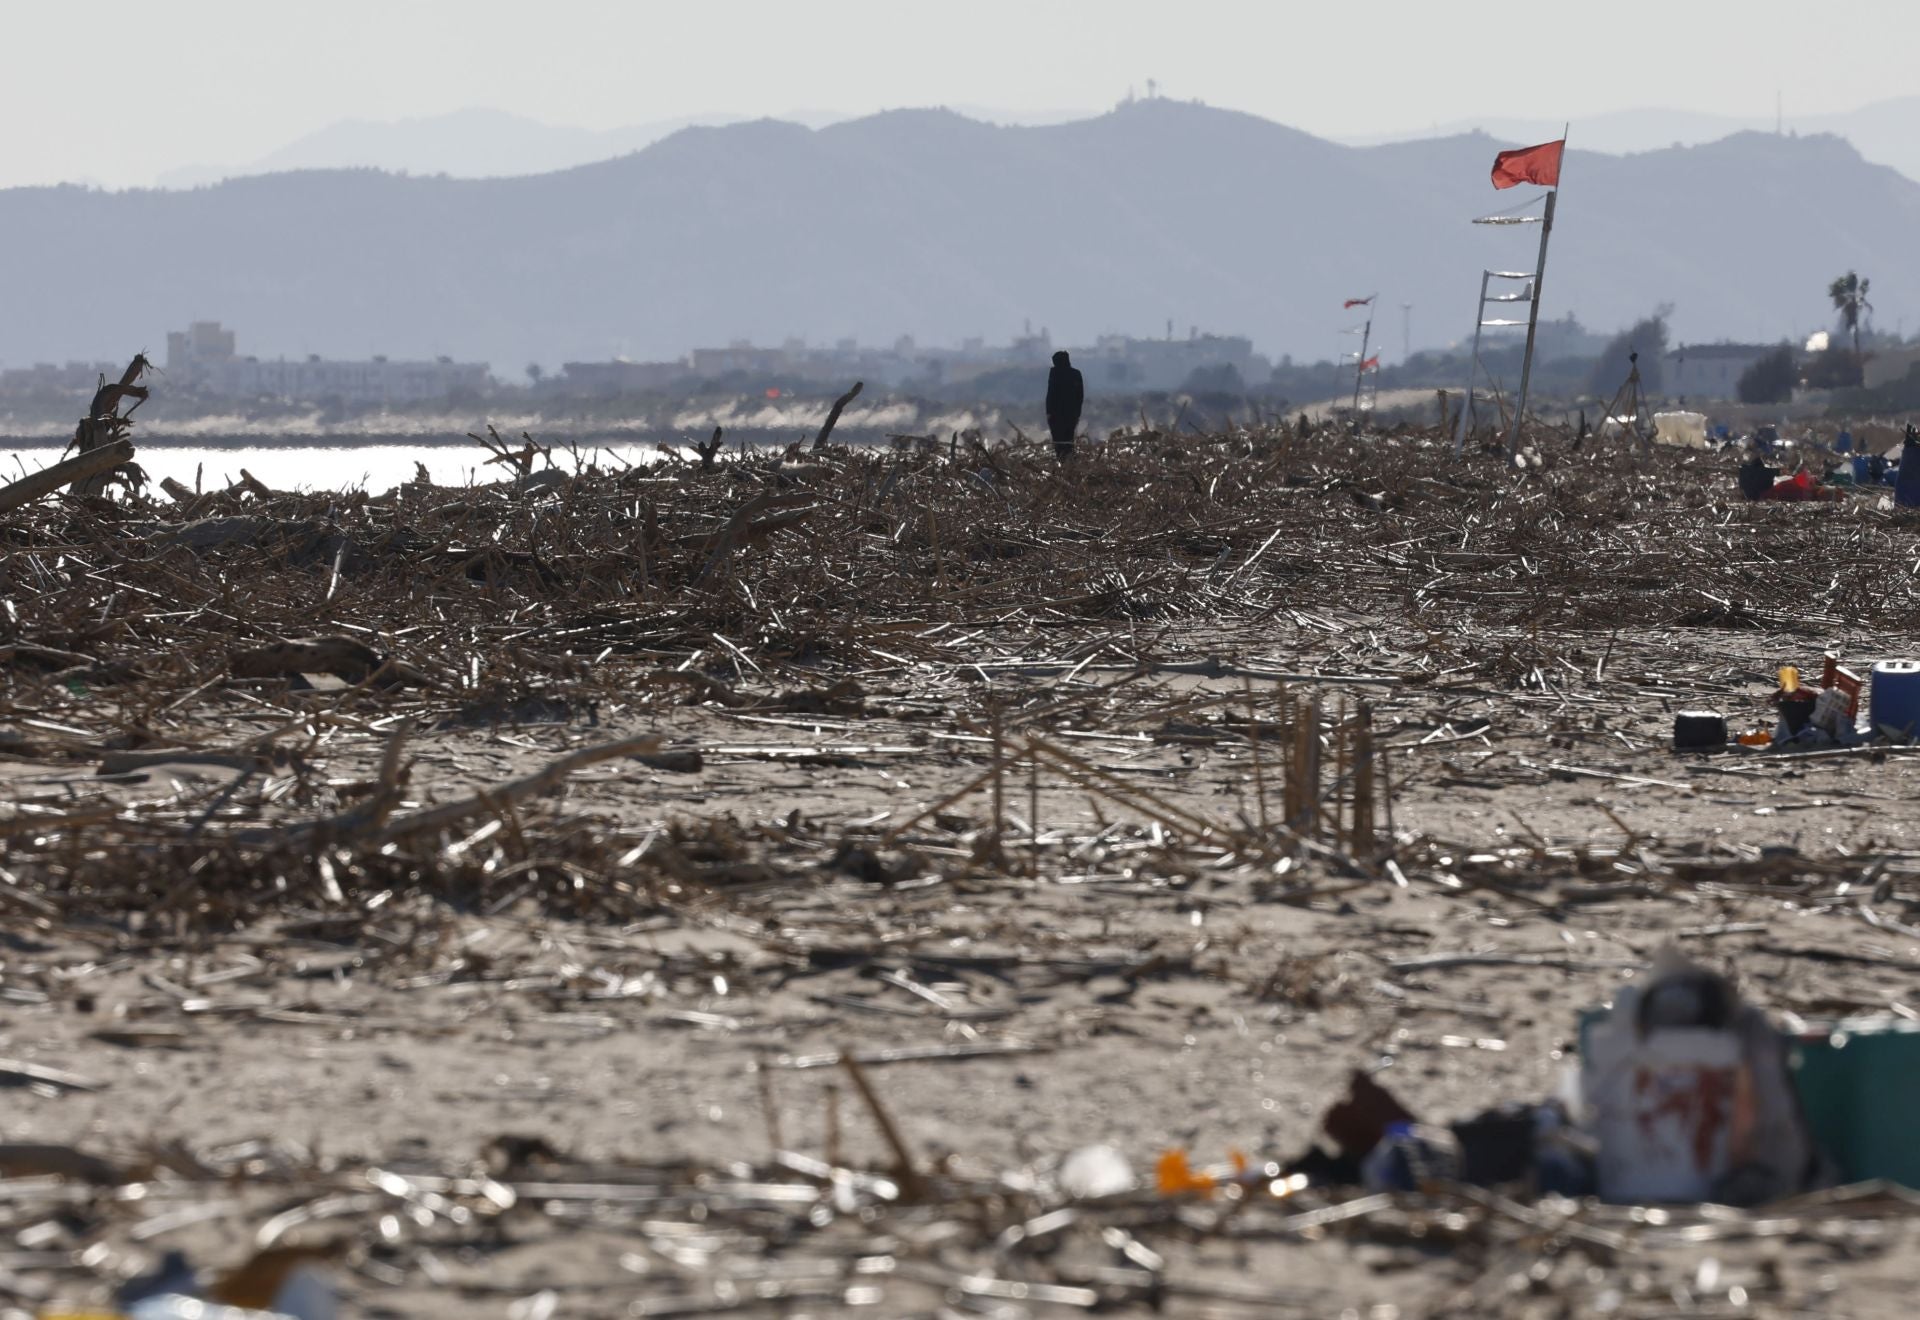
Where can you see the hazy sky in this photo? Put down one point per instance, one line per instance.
(119, 92)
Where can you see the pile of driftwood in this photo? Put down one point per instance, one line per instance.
(224, 708)
(152, 629)
(102, 440)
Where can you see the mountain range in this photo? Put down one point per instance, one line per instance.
(932, 224)
(1885, 132)
(491, 144)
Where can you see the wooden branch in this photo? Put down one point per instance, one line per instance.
(491, 800)
(39, 1160)
(215, 533)
(78, 468)
(912, 1186)
(106, 400)
(743, 526)
(343, 657)
(820, 441)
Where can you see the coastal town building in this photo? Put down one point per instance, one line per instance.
(1114, 364)
(204, 358)
(1711, 371)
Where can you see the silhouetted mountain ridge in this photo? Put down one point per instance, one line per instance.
(929, 223)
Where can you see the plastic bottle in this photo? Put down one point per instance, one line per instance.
(1409, 1154)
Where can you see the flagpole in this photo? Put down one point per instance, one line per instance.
(1360, 363)
(1533, 308)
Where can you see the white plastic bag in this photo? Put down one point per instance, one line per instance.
(1686, 1093)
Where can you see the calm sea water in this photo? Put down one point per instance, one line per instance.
(374, 468)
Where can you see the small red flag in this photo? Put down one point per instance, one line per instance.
(1371, 364)
(1355, 302)
(1539, 165)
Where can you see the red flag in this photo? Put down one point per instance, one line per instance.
(1371, 364)
(1355, 302)
(1539, 165)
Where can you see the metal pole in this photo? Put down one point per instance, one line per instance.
(1533, 322)
(1533, 309)
(1473, 365)
(1360, 367)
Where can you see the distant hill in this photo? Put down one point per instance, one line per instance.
(1885, 132)
(495, 144)
(467, 144)
(931, 224)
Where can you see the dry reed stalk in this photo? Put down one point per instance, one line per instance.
(1033, 814)
(770, 1107)
(1253, 737)
(1364, 842)
(1386, 793)
(906, 1170)
(999, 771)
(1342, 736)
(1099, 781)
(1305, 815)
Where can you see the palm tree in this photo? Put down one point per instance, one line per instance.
(1849, 294)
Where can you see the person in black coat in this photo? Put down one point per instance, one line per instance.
(1066, 391)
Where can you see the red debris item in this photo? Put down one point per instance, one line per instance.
(1800, 486)
(1839, 676)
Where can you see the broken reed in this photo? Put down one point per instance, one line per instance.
(1344, 809)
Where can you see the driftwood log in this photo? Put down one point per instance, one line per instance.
(238, 529)
(80, 468)
(833, 417)
(105, 424)
(343, 657)
(177, 491)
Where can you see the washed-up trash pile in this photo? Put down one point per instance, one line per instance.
(1827, 717)
(1760, 481)
(1684, 1093)
(275, 1284)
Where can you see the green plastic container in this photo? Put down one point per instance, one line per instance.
(1859, 1081)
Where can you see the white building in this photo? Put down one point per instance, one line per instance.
(1711, 371)
(1120, 364)
(202, 357)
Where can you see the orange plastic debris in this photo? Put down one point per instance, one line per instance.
(1175, 1177)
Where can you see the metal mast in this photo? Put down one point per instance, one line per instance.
(1533, 320)
(1360, 364)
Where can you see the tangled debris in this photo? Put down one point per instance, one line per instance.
(496, 740)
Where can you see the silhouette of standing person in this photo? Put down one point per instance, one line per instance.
(1066, 391)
